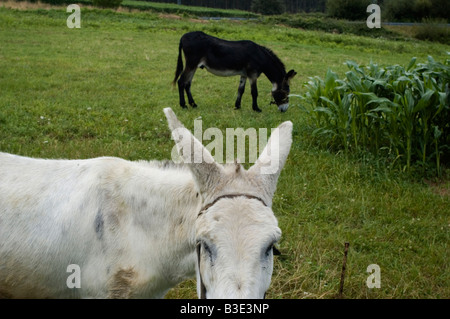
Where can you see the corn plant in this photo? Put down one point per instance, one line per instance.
(402, 109)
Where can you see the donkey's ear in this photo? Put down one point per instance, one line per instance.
(174, 123)
(272, 159)
(289, 76)
(205, 170)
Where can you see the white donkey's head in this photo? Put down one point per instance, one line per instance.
(235, 229)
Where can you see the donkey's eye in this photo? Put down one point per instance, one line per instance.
(272, 250)
(275, 250)
(207, 249)
(269, 250)
(208, 252)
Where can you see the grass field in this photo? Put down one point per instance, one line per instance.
(100, 90)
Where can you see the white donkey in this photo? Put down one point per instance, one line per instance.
(136, 229)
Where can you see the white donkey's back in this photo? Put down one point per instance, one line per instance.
(107, 216)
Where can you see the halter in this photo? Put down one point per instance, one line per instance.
(207, 206)
(199, 245)
(283, 101)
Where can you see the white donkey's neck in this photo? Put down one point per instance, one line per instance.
(165, 204)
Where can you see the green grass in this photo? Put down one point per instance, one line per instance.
(100, 90)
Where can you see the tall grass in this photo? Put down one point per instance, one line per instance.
(433, 30)
(400, 111)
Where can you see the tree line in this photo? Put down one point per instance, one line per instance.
(291, 6)
(393, 10)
